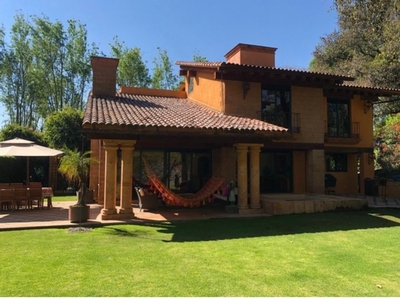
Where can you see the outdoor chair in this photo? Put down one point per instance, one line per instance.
(146, 201)
(330, 184)
(35, 194)
(21, 197)
(7, 198)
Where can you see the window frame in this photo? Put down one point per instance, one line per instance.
(336, 162)
(341, 126)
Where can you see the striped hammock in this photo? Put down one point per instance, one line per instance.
(202, 197)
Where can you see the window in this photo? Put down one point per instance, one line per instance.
(191, 85)
(275, 105)
(336, 162)
(338, 118)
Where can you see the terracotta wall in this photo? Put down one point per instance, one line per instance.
(206, 90)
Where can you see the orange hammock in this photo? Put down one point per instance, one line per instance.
(203, 196)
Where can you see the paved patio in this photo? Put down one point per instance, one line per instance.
(58, 215)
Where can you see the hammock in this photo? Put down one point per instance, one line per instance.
(203, 196)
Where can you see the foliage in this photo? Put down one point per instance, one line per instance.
(43, 68)
(12, 131)
(163, 75)
(387, 149)
(75, 165)
(62, 129)
(365, 45)
(132, 70)
(342, 254)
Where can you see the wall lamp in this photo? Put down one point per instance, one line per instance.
(370, 158)
(367, 105)
(246, 88)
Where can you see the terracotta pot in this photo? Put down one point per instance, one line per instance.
(79, 213)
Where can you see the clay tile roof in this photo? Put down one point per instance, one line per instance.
(155, 111)
(371, 88)
(220, 65)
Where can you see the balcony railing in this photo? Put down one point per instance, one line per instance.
(287, 120)
(343, 132)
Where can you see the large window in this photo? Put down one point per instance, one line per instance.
(275, 105)
(338, 118)
(336, 162)
(276, 172)
(182, 171)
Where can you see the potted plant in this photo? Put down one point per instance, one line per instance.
(74, 166)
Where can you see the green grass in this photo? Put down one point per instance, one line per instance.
(64, 198)
(326, 254)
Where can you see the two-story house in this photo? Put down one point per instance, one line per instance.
(270, 130)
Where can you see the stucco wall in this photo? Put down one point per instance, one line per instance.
(239, 102)
(309, 102)
(207, 90)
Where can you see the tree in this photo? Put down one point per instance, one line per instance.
(365, 46)
(132, 70)
(11, 131)
(163, 75)
(17, 73)
(43, 68)
(74, 165)
(62, 129)
(387, 149)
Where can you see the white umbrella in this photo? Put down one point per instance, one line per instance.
(21, 147)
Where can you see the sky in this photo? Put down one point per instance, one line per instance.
(209, 28)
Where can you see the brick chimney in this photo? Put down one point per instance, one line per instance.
(252, 55)
(104, 76)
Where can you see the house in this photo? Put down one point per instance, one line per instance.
(270, 130)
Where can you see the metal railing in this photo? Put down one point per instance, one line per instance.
(287, 120)
(352, 131)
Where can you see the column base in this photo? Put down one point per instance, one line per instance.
(255, 206)
(109, 214)
(250, 211)
(125, 213)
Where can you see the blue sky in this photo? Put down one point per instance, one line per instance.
(183, 28)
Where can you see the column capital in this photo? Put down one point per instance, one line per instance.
(255, 147)
(126, 144)
(241, 147)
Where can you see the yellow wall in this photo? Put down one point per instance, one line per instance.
(309, 102)
(347, 182)
(207, 90)
(299, 172)
(366, 122)
(236, 103)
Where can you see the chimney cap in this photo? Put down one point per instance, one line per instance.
(249, 47)
(101, 60)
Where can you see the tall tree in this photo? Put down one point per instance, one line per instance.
(365, 45)
(132, 70)
(43, 68)
(17, 74)
(163, 73)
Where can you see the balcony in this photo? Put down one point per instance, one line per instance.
(287, 120)
(342, 134)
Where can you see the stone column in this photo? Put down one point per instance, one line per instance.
(255, 175)
(126, 211)
(242, 175)
(109, 211)
(315, 171)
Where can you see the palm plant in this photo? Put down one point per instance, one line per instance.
(74, 166)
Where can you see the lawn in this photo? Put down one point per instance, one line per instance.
(323, 254)
(65, 198)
